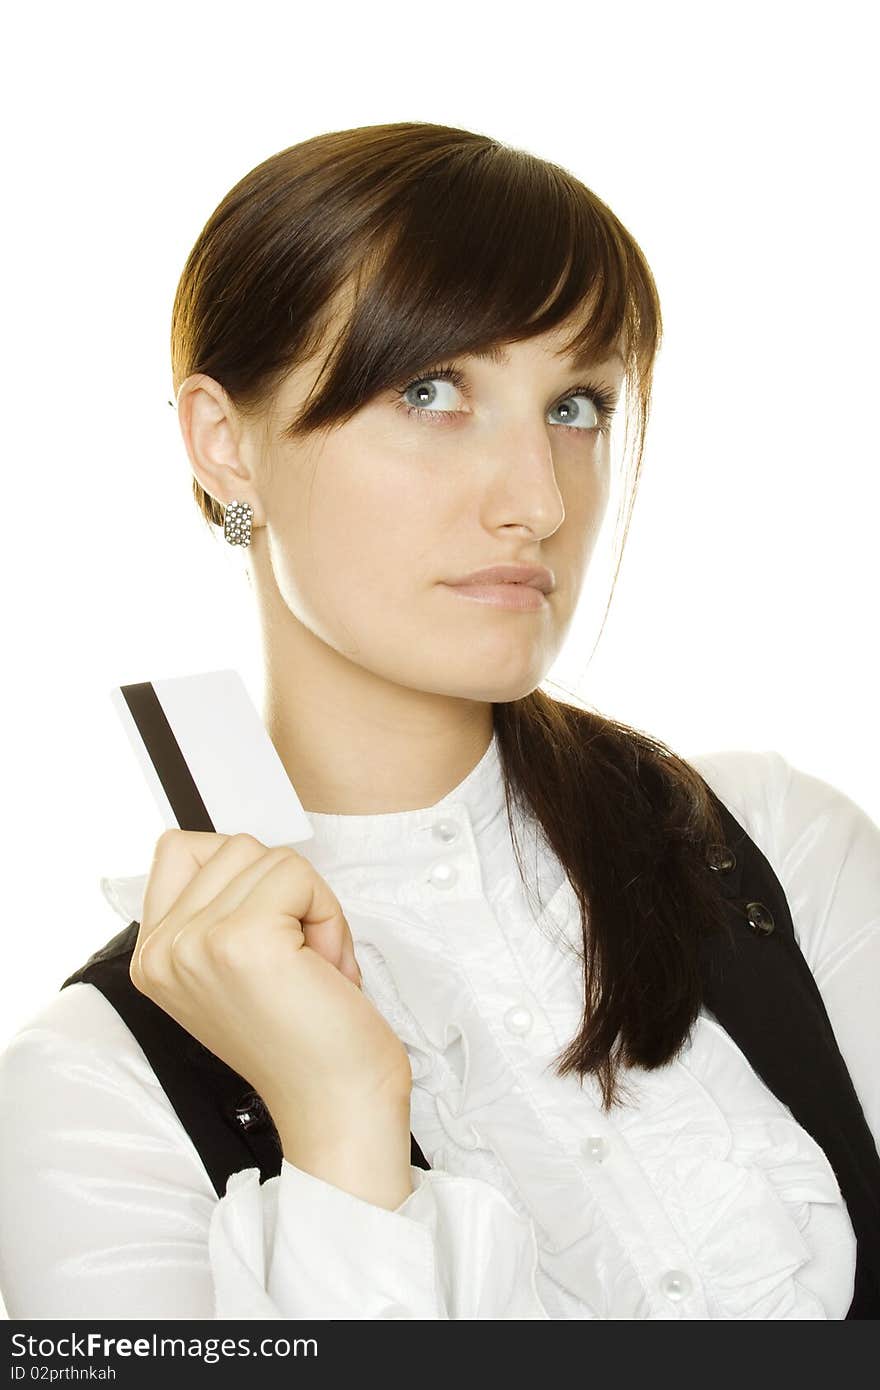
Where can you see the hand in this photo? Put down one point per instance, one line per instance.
(248, 949)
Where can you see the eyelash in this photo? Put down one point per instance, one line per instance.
(602, 399)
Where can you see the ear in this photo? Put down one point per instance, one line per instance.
(219, 447)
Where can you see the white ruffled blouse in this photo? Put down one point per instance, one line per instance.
(700, 1198)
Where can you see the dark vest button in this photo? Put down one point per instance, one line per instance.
(720, 857)
(252, 1113)
(760, 919)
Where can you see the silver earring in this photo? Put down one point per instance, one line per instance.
(237, 522)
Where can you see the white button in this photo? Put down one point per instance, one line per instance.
(518, 1019)
(595, 1149)
(446, 830)
(443, 875)
(676, 1284)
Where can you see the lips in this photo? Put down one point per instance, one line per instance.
(535, 576)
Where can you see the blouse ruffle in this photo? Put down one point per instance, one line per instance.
(737, 1195)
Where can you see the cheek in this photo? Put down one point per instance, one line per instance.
(585, 496)
(356, 543)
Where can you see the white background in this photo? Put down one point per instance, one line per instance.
(737, 143)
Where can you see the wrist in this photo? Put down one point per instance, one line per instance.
(363, 1149)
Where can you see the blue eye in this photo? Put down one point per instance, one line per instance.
(450, 374)
(603, 401)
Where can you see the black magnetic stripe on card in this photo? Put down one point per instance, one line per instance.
(165, 753)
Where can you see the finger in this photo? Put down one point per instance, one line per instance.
(328, 938)
(349, 966)
(227, 877)
(189, 869)
(178, 858)
(199, 908)
(332, 939)
(289, 892)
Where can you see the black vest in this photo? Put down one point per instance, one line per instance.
(757, 985)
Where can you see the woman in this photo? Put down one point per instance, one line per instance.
(398, 351)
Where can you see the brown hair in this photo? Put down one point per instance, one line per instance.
(437, 241)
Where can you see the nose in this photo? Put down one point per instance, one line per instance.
(522, 489)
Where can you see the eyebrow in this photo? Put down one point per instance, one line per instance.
(501, 358)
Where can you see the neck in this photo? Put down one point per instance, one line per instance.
(354, 743)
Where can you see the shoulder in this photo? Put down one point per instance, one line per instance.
(750, 782)
(76, 1020)
(822, 845)
(74, 1072)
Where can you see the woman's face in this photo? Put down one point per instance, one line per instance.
(365, 526)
